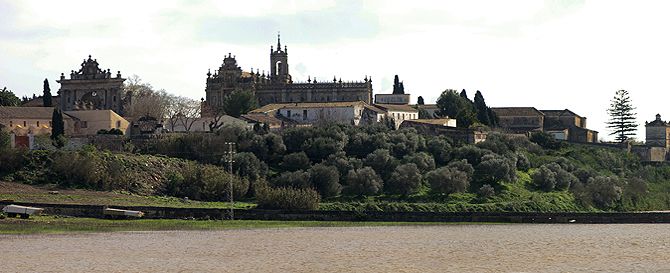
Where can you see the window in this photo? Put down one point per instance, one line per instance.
(11, 123)
(304, 114)
(114, 98)
(38, 123)
(50, 124)
(288, 113)
(24, 123)
(118, 124)
(84, 124)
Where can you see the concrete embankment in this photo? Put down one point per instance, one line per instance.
(260, 214)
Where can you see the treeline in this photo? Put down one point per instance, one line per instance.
(373, 163)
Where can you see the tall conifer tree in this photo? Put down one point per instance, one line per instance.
(622, 116)
(46, 97)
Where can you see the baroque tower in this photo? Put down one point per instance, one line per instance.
(279, 64)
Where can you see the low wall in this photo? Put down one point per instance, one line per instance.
(260, 214)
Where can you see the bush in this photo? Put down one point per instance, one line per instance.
(522, 162)
(472, 154)
(494, 168)
(325, 179)
(82, 169)
(11, 160)
(287, 198)
(204, 182)
(406, 179)
(463, 166)
(604, 191)
(546, 141)
(382, 162)
(247, 165)
(486, 191)
(447, 180)
(440, 149)
(552, 176)
(364, 181)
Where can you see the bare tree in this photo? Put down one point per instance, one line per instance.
(216, 121)
(143, 100)
(189, 112)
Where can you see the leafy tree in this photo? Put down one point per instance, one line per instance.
(486, 191)
(622, 116)
(296, 161)
(326, 180)
(447, 180)
(46, 97)
(239, 102)
(7, 98)
(382, 162)
(495, 168)
(343, 164)
(321, 147)
(298, 180)
(405, 179)
(440, 149)
(455, 106)
(545, 140)
(420, 101)
(364, 181)
(248, 165)
(57, 127)
(463, 166)
(424, 161)
(604, 191)
(464, 95)
(483, 111)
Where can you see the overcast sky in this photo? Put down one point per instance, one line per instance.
(546, 54)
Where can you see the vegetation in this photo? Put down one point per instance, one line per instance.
(46, 96)
(8, 98)
(51, 224)
(622, 116)
(57, 128)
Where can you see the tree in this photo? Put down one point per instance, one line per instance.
(142, 100)
(183, 111)
(447, 180)
(420, 101)
(364, 181)
(326, 180)
(464, 95)
(405, 179)
(57, 128)
(382, 162)
(7, 98)
(622, 116)
(296, 161)
(239, 102)
(482, 110)
(454, 106)
(46, 97)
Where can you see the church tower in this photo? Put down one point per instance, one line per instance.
(279, 64)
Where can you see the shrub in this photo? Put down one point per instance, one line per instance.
(406, 179)
(471, 153)
(82, 169)
(522, 162)
(486, 191)
(287, 198)
(553, 177)
(382, 162)
(296, 161)
(447, 180)
(545, 140)
(11, 160)
(364, 181)
(325, 179)
(247, 165)
(440, 149)
(604, 191)
(544, 179)
(463, 166)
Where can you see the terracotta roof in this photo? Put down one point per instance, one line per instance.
(39, 102)
(27, 112)
(564, 112)
(440, 121)
(261, 118)
(396, 107)
(276, 106)
(517, 111)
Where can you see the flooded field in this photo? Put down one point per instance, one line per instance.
(451, 248)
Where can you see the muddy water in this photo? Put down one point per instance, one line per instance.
(454, 248)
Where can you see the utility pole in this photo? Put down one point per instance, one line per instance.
(230, 154)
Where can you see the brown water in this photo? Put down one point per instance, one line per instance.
(453, 248)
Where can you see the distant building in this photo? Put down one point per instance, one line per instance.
(398, 112)
(90, 122)
(657, 142)
(201, 124)
(278, 86)
(39, 102)
(23, 121)
(91, 88)
(562, 124)
(397, 97)
(445, 127)
(314, 112)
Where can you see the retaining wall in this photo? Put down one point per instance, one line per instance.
(260, 214)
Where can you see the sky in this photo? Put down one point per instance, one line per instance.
(553, 54)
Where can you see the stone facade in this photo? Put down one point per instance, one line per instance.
(658, 133)
(91, 88)
(278, 85)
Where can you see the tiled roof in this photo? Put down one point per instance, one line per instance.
(396, 107)
(39, 102)
(516, 111)
(440, 121)
(261, 118)
(276, 106)
(564, 112)
(27, 112)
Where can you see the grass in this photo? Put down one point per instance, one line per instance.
(59, 225)
(116, 199)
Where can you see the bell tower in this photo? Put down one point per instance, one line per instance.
(279, 63)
